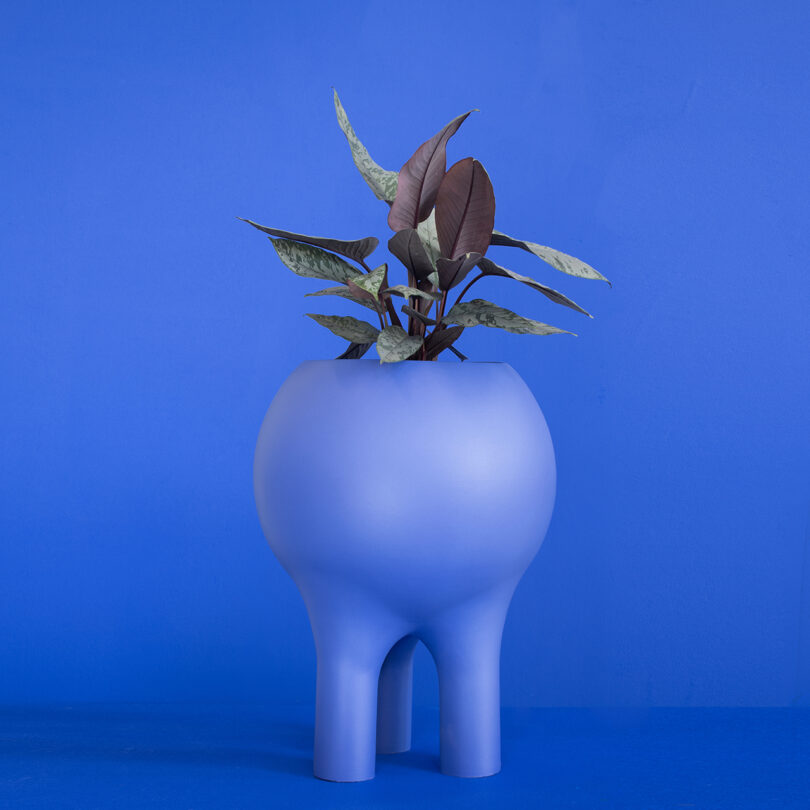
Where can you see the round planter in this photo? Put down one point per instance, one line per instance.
(406, 501)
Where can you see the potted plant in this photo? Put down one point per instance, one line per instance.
(407, 497)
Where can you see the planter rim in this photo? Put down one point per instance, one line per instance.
(439, 364)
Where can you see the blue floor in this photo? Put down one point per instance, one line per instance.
(191, 756)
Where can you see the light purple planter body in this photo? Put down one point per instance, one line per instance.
(406, 501)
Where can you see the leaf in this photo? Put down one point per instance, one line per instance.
(489, 268)
(346, 292)
(430, 239)
(407, 292)
(354, 351)
(453, 271)
(372, 282)
(381, 181)
(357, 249)
(347, 327)
(420, 177)
(478, 311)
(433, 278)
(312, 262)
(442, 339)
(559, 261)
(408, 248)
(465, 210)
(395, 344)
(418, 315)
(361, 294)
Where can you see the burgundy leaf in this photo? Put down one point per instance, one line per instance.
(424, 304)
(419, 179)
(354, 351)
(386, 301)
(465, 210)
(408, 248)
(453, 271)
(442, 339)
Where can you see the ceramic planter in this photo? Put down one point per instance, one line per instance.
(406, 501)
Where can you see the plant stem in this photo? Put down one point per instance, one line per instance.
(439, 326)
(440, 312)
(411, 321)
(392, 313)
(461, 294)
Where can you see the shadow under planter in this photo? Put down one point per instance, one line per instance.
(406, 501)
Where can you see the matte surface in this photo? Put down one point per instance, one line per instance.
(144, 330)
(336, 521)
(209, 756)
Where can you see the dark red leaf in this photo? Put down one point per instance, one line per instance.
(419, 179)
(440, 340)
(408, 248)
(453, 271)
(354, 351)
(465, 210)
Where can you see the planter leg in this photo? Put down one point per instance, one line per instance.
(352, 638)
(466, 647)
(395, 698)
(345, 716)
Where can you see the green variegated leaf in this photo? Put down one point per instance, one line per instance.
(560, 261)
(395, 344)
(480, 312)
(345, 292)
(359, 292)
(433, 278)
(406, 292)
(430, 238)
(489, 268)
(312, 262)
(372, 282)
(357, 249)
(347, 327)
(382, 182)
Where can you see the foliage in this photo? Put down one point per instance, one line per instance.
(443, 222)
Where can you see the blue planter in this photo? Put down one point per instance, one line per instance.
(406, 501)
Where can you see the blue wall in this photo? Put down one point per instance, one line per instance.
(143, 330)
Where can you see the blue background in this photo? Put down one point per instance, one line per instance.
(144, 331)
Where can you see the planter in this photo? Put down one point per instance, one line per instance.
(406, 501)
